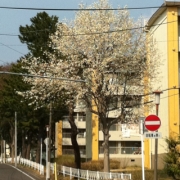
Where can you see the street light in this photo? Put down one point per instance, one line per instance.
(157, 102)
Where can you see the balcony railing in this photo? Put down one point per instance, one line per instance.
(133, 128)
(80, 118)
(122, 150)
(112, 150)
(68, 135)
(71, 151)
(76, 118)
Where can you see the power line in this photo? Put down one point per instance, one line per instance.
(103, 32)
(21, 45)
(38, 76)
(15, 45)
(12, 48)
(67, 79)
(102, 9)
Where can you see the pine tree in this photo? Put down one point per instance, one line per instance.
(37, 35)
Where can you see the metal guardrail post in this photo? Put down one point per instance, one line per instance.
(78, 174)
(97, 174)
(70, 173)
(87, 175)
(110, 175)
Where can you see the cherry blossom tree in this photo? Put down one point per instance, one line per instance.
(108, 51)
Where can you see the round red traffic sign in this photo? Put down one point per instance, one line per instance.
(152, 123)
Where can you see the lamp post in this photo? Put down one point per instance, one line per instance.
(157, 102)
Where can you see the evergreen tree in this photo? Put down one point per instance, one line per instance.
(172, 158)
(37, 35)
(11, 102)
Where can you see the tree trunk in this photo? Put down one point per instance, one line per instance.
(38, 151)
(24, 151)
(24, 147)
(12, 145)
(28, 151)
(12, 152)
(106, 152)
(74, 132)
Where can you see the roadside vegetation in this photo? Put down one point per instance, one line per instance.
(115, 166)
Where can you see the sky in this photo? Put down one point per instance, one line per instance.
(11, 49)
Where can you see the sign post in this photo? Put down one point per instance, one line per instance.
(142, 145)
(153, 123)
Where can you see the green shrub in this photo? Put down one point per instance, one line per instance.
(138, 175)
(66, 160)
(93, 165)
(114, 164)
(99, 165)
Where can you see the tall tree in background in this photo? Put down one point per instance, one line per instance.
(31, 121)
(37, 35)
(11, 102)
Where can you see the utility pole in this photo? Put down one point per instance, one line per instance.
(49, 143)
(1, 147)
(15, 146)
(41, 156)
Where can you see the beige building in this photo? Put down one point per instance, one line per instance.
(125, 141)
(164, 28)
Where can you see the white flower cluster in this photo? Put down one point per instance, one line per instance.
(105, 48)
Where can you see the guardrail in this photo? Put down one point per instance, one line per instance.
(91, 175)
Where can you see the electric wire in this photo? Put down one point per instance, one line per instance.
(83, 81)
(59, 78)
(103, 32)
(12, 48)
(87, 9)
(39, 76)
(3, 34)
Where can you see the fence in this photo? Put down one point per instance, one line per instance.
(72, 172)
(32, 164)
(28, 163)
(91, 175)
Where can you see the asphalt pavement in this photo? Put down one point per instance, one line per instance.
(9, 172)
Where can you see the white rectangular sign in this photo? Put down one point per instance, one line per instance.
(152, 135)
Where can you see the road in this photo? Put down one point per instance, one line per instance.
(8, 172)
